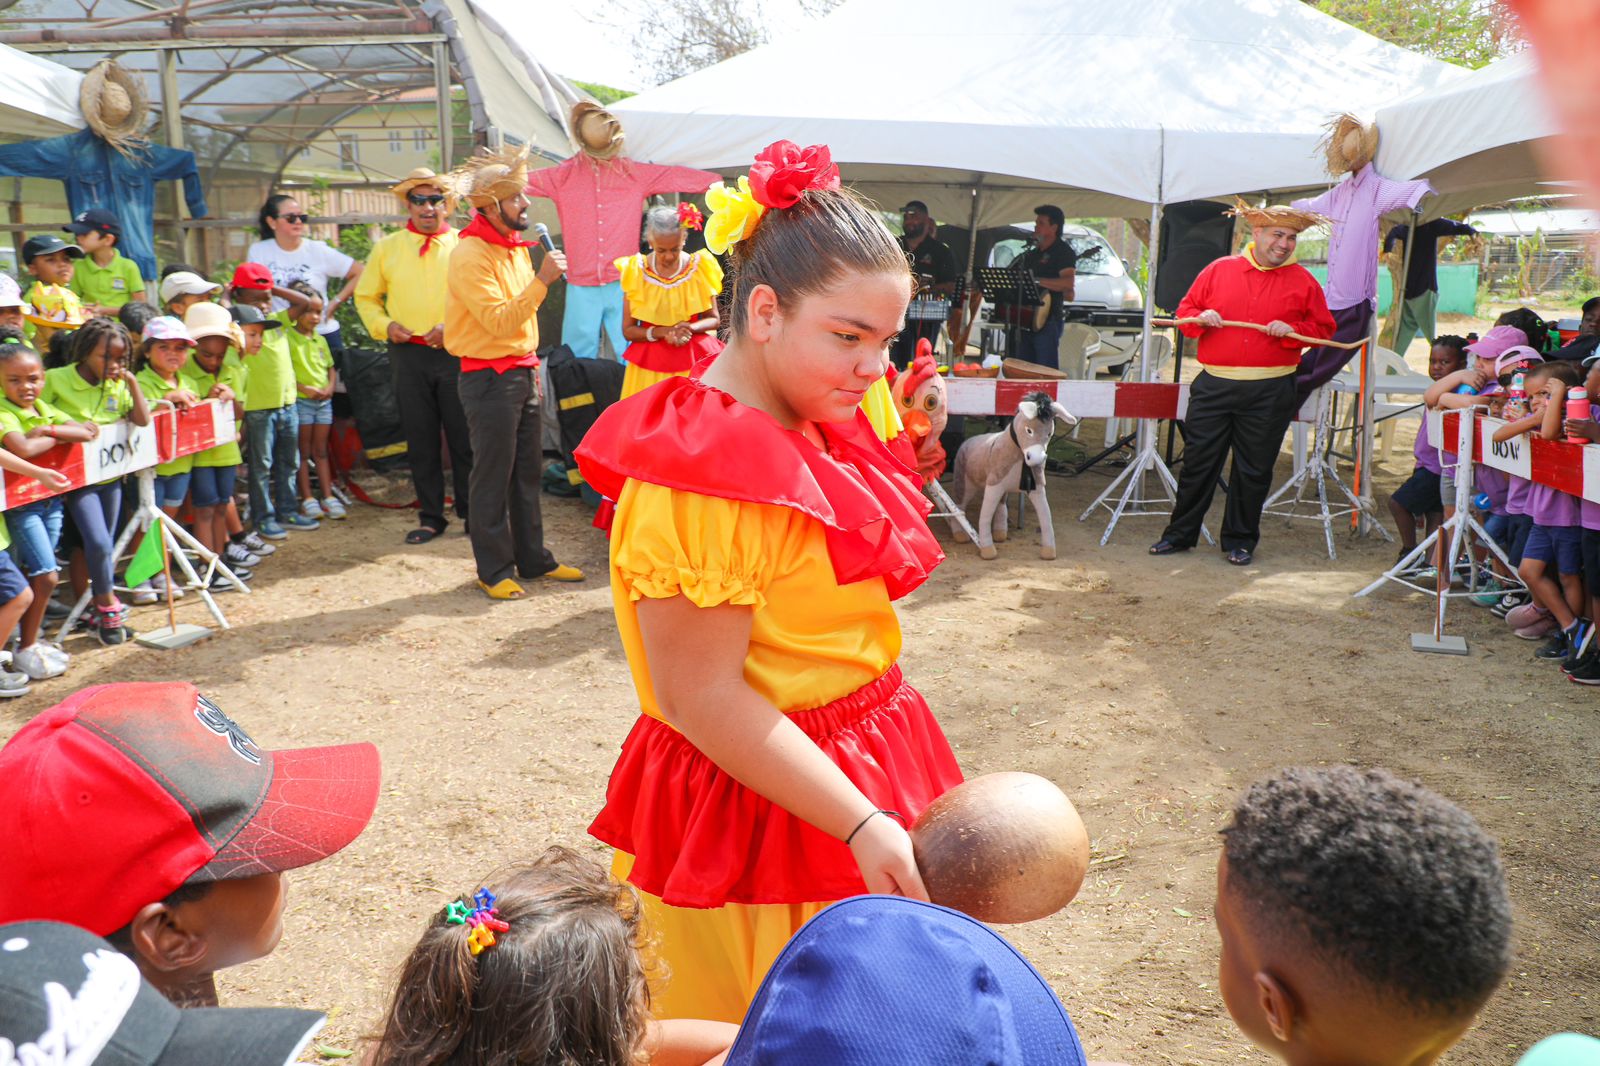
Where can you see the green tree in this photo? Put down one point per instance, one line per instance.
(603, 93)
(1468, 32)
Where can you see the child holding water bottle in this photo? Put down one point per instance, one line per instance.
(1581, 426)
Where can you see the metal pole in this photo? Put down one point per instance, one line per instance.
(172, 128)
(441, 87)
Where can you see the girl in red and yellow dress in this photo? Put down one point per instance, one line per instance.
(669, 303)
(762, 532)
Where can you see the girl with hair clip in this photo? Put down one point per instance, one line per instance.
(762, 532)
(97, 386)
(540, 966)
(669, 302)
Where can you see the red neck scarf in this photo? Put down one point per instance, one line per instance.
(427, 238)
(479, 227)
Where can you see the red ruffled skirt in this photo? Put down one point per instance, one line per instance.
(701, 839)
(664, 358)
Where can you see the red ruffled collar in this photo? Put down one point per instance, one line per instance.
(683, 434)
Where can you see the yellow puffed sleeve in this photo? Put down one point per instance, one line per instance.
(710, 551)
(710, 272)
(630, 269)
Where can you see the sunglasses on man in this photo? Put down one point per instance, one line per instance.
(293, 218)
(424, 201)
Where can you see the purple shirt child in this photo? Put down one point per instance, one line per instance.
(1551, 508)
(1427, 455)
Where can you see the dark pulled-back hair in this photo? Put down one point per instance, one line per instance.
(83, 341)
(1569, 374)
(799, 251)
(565, 985)
(1536, 329)
(270, 210)
(135, 314)
(1379, 877)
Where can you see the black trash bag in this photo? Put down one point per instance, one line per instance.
(370, 384)
(582, 389)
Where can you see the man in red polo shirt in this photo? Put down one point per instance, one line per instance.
(1244, 397)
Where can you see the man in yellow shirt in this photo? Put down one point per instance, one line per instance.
(401, 298)
(492, 298)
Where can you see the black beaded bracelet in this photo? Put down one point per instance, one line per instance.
(896, 815)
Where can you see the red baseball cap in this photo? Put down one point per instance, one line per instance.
(115, 797)
(253, 276)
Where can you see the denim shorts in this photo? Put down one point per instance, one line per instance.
(213, 485)
(12, 583)
(314, 412)
(172, 488)
(35, 532)
(1558, 546)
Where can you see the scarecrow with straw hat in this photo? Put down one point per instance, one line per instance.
(492, 297)
(1244, 397)
(110, 165)
(599, 194)
(401, 300)
(1354, 207)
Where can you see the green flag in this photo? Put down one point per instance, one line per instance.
(146, 562)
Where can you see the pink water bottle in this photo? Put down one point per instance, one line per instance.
(1516, 399)
(1578, 408)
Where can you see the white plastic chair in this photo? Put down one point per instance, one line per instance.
(1075, 353)
(1161, 355)
(1396, 392)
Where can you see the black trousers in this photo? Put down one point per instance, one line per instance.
(426, 386)
(1248, 418)
(507, 531)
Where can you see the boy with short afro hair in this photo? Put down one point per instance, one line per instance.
(1363, 918)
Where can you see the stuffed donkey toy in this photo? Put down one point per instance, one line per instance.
(997, 463)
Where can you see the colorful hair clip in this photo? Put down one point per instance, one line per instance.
(782, 173)
(480, 914)
(690, 217)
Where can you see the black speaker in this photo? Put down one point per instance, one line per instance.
(1193, 234)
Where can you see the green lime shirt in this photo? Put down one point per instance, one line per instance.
(201, 383)
(270, 371)
(104, 403)
(313, 362)
(14, 419)
(108, 286)
(154, 388)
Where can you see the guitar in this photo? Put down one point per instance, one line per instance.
(1032, 318)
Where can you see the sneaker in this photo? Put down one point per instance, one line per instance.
(1538, 630)
(311, 509)
(300, 522)
(55, 610)
(1587, 672)
(332, 508)
(1556, 647)
(144, 595)
(159, 584)
(1509, 602)
(108, 623)
(239, 555)
(220, 582)
(37, 664)
(272, 530)
(1526, 615)
(1583, 639)
(256, 546)
(1493, 592)
(12, 685)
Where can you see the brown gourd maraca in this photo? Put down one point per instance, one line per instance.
(1003, 848)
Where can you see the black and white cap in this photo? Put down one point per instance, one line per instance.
(66, 996)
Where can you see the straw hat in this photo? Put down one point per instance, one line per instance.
(1276, 215)
(425, 176)
(114, 105)
(595, 131)
(1349, 144)
(491, 176)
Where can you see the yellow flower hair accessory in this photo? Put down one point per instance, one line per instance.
(734, 215)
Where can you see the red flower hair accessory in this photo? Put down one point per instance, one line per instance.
(783, 170)
(689, 216)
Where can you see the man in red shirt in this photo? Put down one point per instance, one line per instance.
(1244, 396)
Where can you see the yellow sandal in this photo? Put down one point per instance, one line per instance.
(505, 590)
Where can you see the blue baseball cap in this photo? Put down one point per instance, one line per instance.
(888, 981)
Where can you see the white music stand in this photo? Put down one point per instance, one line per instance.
(1320, 470)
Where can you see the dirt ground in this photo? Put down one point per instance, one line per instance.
(1151, 690)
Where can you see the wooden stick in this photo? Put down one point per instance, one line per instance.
(166, 573)
(1349, 346)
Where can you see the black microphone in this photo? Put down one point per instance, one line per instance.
(544, 236)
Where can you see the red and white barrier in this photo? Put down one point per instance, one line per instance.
(123, 448)
(1159, 400)
(1570, 468)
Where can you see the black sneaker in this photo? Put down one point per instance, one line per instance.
(1586, 672)
(1557, 647)
(1510, 602)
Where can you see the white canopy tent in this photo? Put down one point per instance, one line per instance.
(38, 98)
(1473, 138)
(1107, 104)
